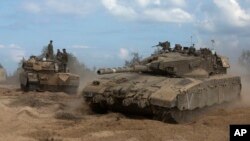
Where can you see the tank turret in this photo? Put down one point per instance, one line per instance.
(200, 63)
(38, 65)
(170, 85)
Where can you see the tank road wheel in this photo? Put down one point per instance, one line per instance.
(163, 115)
(24, 83)
(188, 116)
(176, 116)
(98, 108)
(182, 116)
(24, 87)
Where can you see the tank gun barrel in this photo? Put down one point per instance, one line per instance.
(156, 45)
(136, 68)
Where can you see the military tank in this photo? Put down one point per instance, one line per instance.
(172, 85)
(46, 75)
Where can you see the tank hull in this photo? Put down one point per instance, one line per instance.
(163, 98)
(54, 82)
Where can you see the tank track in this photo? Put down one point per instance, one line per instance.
(166, 115)
(157, 113)
(176, 116)
(36, 87)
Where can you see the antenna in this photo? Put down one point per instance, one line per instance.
(213, 50)
(212, 41)
(191, 40)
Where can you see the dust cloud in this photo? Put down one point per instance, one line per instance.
(239, 70)
(86, 77)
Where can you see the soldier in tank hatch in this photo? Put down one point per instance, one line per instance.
(59, 55)
(177, 48)
(59, 59)
(164, 45)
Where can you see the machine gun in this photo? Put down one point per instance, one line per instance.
(164, 45)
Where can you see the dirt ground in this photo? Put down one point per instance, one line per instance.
(60, 117)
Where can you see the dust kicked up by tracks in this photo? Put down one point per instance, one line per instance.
(57, 116)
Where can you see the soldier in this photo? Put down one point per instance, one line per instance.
(59, 55)
(165, 46)
(50, 52)
(191, 50)
(64, 60)
(59, 59)
(177, 48)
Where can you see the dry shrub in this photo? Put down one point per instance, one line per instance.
(29, 101)
(66, 116)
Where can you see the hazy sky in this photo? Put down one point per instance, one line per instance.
(105, 32)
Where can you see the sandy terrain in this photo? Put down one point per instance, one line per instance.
(57, 116)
